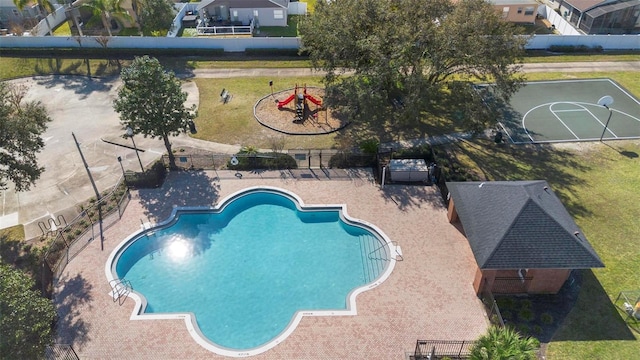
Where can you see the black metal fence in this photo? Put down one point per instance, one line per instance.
(73, 238)
(60, 352)
(288, 159)
(438, 349)
(491, 308)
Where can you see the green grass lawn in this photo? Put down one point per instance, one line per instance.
(547, 57)
(234, 123)
(14, 233)
(62, 30)
(291, 30)
(11, 68)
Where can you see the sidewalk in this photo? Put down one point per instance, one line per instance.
(532, 68)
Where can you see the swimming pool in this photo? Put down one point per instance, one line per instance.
(244, 273)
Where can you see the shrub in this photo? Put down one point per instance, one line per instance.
(369, 146)
(537, 329)
(546, 318)
(151, 178)
(416, 152)
(272, 160)
(273, 52)
(525, 314)
(523, 329)
(575, 48)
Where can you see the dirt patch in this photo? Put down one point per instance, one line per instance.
(316, 119)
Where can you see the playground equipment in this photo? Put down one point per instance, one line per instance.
(301, 106)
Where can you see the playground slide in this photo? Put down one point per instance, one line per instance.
(286, 101)
(314, 100)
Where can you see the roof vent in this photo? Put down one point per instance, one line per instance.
(546, 188)
(481, 184)
(577, 234)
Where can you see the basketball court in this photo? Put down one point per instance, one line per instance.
(571, 110)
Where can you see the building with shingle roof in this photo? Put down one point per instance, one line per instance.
(521, 235)
(268, 12)
(602, 16)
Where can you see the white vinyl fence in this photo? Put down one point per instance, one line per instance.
(55, 19)
(608, 42)
(177, 21)
(139, 42)
(558, 21)
(297, 8)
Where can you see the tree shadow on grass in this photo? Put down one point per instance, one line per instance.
(75, 294)
(181, 188)
(183, 68)
(580, 311)
(594, 316)
(507, 162)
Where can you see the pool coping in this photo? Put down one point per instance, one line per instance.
(395, 254)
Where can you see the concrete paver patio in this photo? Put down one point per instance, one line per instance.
(429, 295)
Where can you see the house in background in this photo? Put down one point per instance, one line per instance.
(517, 11)
(602, 16)
(522, 237)
(10, 15)
(266, 12)
(82, 15)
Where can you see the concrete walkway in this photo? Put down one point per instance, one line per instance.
(532, 68)
(85, 106)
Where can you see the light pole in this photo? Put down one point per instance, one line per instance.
(95, 189)
(606, 101)
(121, 167)
(130, 134)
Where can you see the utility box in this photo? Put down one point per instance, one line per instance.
(408, 170)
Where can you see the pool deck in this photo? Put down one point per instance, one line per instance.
(429, 295)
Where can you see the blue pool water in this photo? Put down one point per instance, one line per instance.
(245, 271)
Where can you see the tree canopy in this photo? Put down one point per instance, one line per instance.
(413, 61)
(155, 16)
(25, 317)
(151, 102)
(21, 125)
(504, 344)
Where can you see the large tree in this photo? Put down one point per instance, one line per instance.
(151, 102)
(155, 16)
(26, 318)
(408, 55)
(21, 125)
(44, 6)
(504, 343)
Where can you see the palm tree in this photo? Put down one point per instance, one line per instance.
(44, 6)
(107, 10)
(504, 343)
